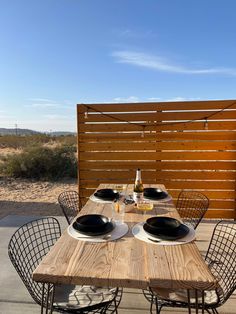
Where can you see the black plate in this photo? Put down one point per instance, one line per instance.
(91, 222)
(180, 232)
(163, 224)
(107, 194)
(108, 228)
(154, 194)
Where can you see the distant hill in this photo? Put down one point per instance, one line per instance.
(4, 131)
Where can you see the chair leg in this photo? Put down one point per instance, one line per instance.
(189, 305)
(196, 301)
(52, 298)
(212, 311)
(158, 309)
(151, 304)
(47, 299)
(42, 299)
(203, 301)
(116, 311)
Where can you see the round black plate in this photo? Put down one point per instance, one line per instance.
(108, 228)
(154, 194)
(91, 221)
(163, 224)
(106, 194)
(179, 232)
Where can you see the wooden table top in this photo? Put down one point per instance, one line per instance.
(126, 262)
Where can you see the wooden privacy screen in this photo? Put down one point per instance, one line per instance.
(183, 145)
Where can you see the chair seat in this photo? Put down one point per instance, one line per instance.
(210, 297)
(81, 297)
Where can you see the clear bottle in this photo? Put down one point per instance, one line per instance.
(138, 187)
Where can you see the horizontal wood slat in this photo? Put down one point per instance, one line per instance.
(158, 165)
(161, 145)
(153, 175)
(176, 152)
(156, 116)
(157, 136)
(187, 105)
(158, 156)
(123, 127)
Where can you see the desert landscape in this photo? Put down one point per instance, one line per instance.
(29, 196)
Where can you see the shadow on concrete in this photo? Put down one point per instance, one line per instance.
(29, 209)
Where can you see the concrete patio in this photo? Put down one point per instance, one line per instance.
(14, 297)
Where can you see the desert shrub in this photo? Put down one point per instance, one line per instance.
(66, 139)
(41, 163)
(23, 141)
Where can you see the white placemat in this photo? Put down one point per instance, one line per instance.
(163, 200)
(142, 235)
(98, 200)
(119, 231)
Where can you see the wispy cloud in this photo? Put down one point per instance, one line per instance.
(178, 98)
(41, 100)
(135, 99)
(153, 99)
(126, 99)
(50, 103)
(44, 105)
(160, 64)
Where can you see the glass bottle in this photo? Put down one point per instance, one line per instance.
(138, 187)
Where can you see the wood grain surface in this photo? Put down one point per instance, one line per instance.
(126, 262)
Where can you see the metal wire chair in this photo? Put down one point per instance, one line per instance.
(221, 259)
(28, 245)
(192, 206)
(69, 202)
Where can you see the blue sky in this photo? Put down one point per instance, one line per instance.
(57, 53)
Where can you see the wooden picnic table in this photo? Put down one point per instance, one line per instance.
(126, 262)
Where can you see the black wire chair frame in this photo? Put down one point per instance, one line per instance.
(69, 202)
(221, 260)
(192, 206)
(26, 248)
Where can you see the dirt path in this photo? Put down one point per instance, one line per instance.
(27, 197)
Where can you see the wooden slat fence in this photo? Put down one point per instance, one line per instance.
(183, 145)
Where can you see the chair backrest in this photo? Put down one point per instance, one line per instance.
(69, 202)
(28, 245)
(221, 258)
(192, 206)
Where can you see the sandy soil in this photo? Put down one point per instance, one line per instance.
(7, 151)
(27, 197)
